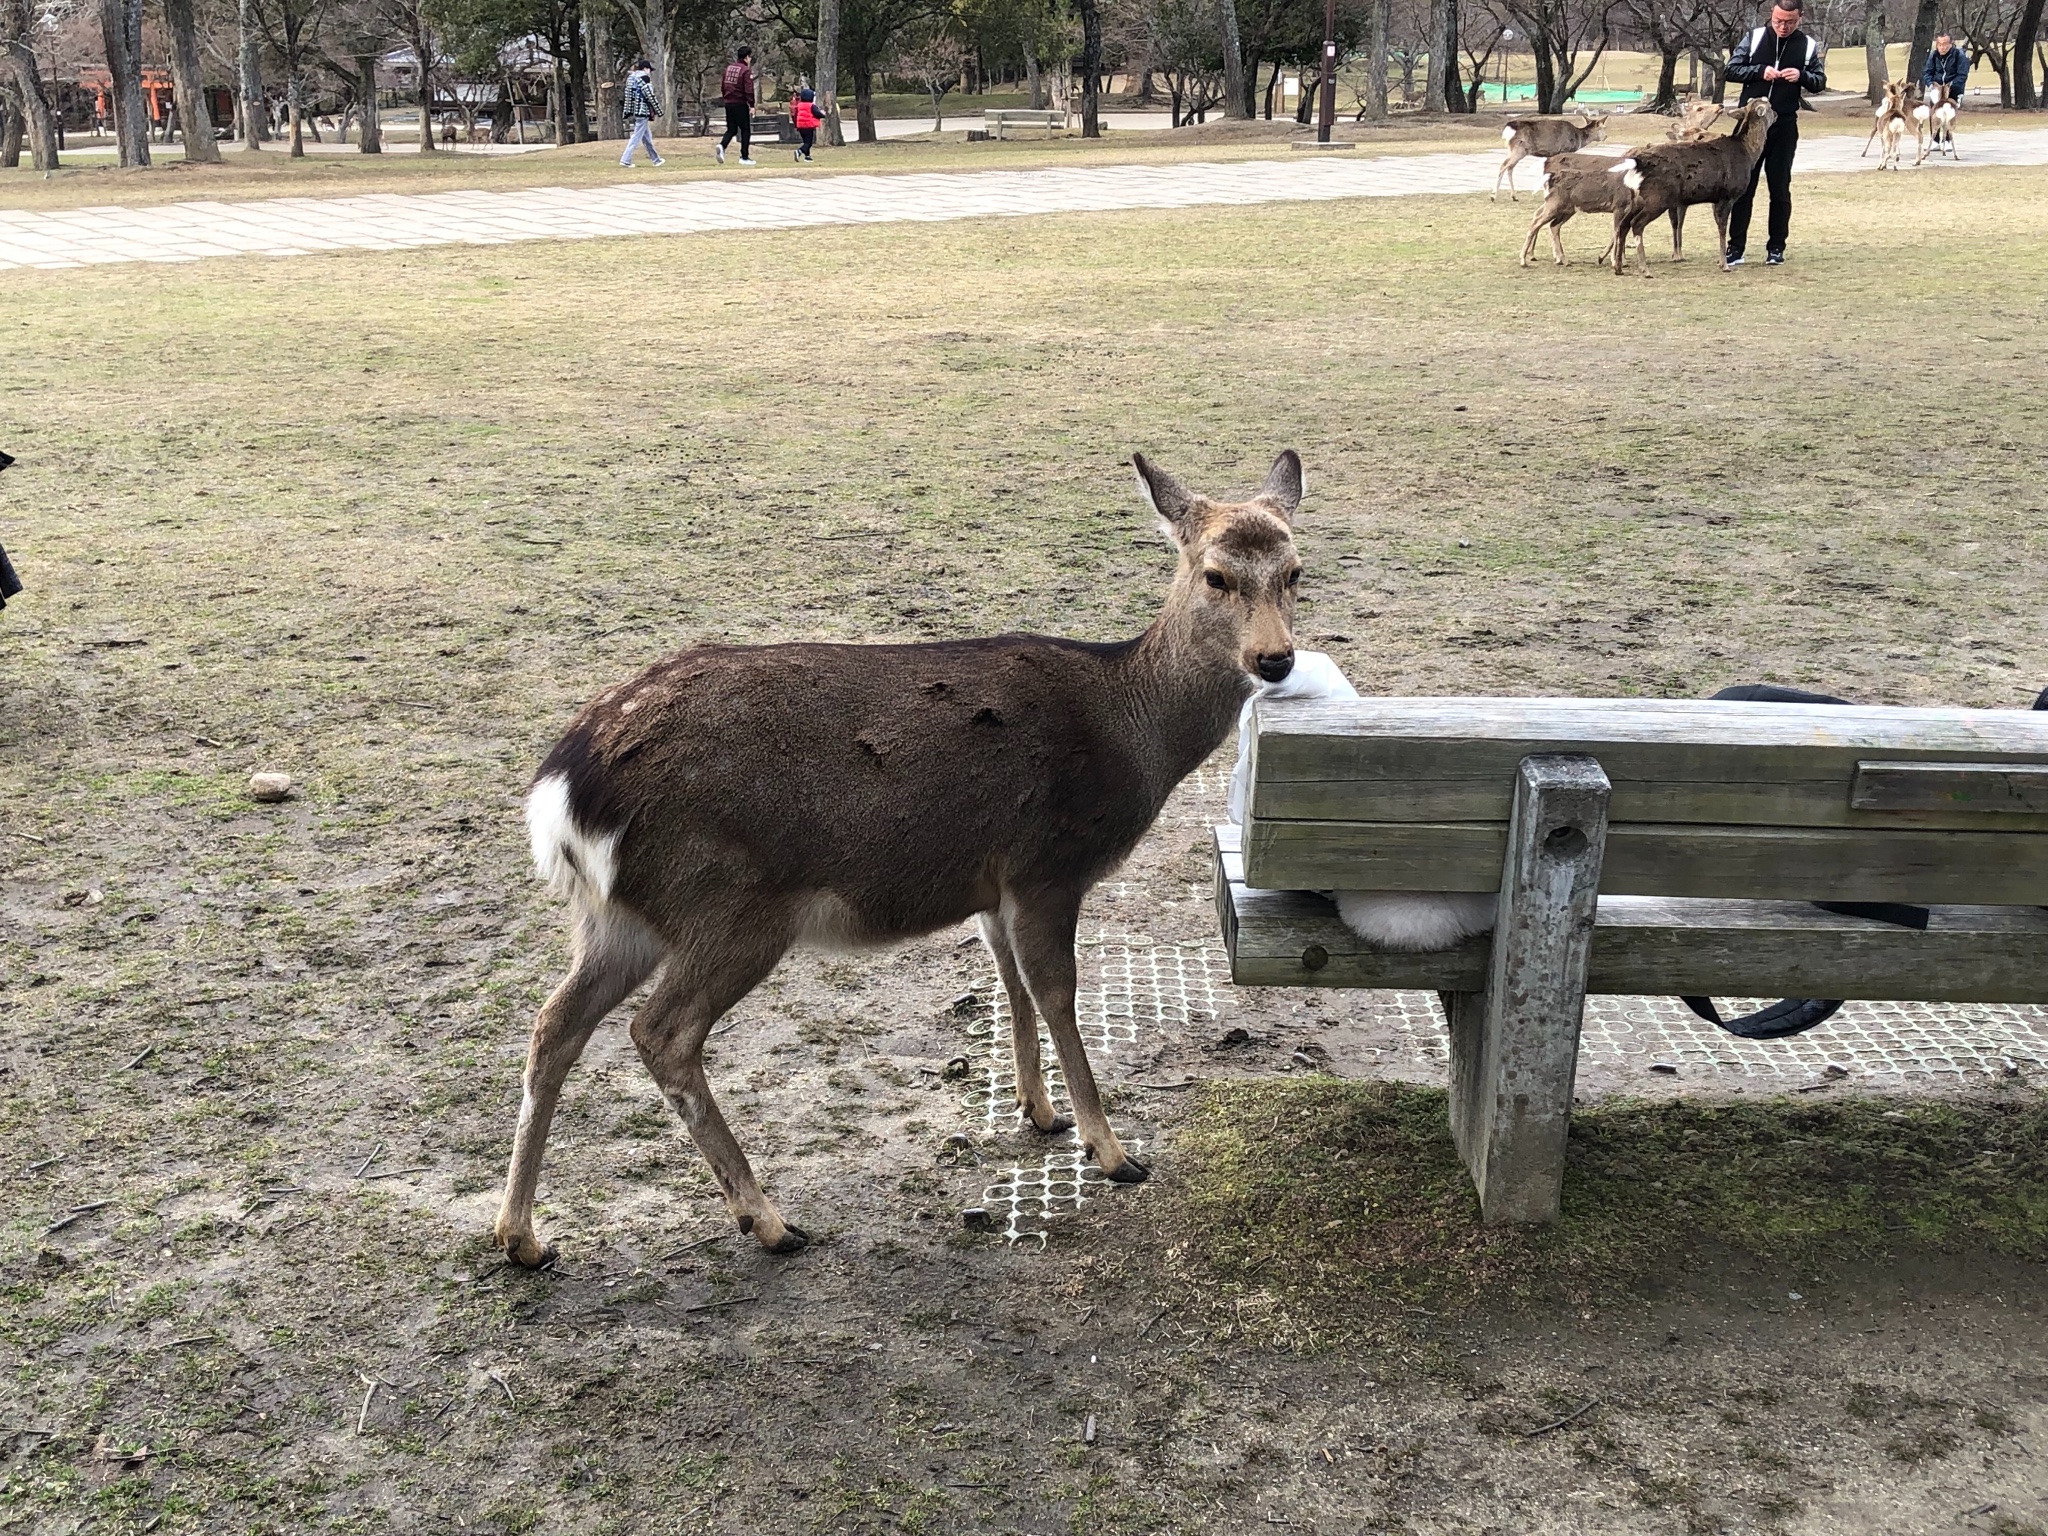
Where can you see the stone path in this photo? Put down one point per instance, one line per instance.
(298, 226)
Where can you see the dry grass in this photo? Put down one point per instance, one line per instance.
(381, 520)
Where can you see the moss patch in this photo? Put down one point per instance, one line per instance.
(1307, 1211)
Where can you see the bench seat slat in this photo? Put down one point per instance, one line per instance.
(1649, 859)
(1662, 946)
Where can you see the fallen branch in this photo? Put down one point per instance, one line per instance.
(713, 1306)
(1583, 1408)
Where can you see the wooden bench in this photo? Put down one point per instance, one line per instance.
(1637, 847)
(995, 120)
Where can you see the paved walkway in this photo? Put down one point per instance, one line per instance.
(298, 226)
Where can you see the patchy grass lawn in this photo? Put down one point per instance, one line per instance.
(381, 521)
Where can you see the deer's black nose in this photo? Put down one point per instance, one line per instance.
(1276, 665)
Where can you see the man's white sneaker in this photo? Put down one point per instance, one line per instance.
(720, 152)
(659, 161)
(745, 161)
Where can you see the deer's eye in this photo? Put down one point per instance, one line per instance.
(1294, 578)
(1215, 579)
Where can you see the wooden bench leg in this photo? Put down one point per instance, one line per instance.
(1515, 1046)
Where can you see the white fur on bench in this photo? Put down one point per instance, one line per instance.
(1407, 920)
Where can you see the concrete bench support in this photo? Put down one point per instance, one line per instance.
(1515, 1046)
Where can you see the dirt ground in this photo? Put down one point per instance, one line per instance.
(382, 521)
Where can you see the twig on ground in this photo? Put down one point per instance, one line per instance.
(364, 1166)
(76, 1213)
(139, 1057)
(713, 1306)
(504, 1386)
(729, 1024)
(676, 1253)
(1167, 1087)
(1155, 1319)
(40, 1166)
(394, 1173)
(31, 837)
(369, 1397)
(1583, 1408)
(197, 1338)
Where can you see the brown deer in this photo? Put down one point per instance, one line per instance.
(732, 802)
(1578, 183)
(1666, 176)
(1544, 136)
(1934, 124)
(1695, 120)
(1890, 120)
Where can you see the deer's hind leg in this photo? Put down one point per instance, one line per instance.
(1042, 937)
(1032, 1097)
(702, 981)
(613, 954)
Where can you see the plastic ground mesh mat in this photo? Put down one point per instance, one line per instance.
(1930, 1042)
(1132, 990)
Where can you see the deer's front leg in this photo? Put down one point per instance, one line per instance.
(1043, 940)
(1033, 1098)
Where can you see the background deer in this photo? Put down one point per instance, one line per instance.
(1935, 123)
(1667, 176)
(1695, 120)
(1526, 136)
(1891, 119)
(731, 802)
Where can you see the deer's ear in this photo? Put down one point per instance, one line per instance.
(1284, 485)
(1172, 501)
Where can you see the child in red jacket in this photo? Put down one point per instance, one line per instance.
(804, 113)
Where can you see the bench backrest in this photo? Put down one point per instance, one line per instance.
(1756, 801)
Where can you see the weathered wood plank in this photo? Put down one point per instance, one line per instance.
(1669, 760)
(1512, 1065)
(1663, 946)
(2013, 792)
(1768, 863)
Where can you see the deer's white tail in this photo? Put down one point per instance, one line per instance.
(575, 862)
(1507, 135)
(1631, 177)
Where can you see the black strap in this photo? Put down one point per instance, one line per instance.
(1793, 1016)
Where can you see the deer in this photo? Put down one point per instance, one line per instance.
(1664, 176)
(1695, 120)
(1526, 136)
(730, 803)
(1890, 119)
(1934, 124)
(1579, 183)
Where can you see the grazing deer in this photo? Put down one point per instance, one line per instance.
(732, 802)
(1664, 176)
(1695, 120)
(1544, 136)
(1891, 117)
(1934, 124)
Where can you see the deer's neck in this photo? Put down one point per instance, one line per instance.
(1179, 695)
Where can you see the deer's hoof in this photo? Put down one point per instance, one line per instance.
(793, 1240)
(1058, 1123)
(528, 1251)
(1129, 1171)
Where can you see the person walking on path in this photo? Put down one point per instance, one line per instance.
(640, 109)
(1781, 62)
(1946, 65)
(804, 114)
(736, 90)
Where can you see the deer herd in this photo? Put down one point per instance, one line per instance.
(1709, 155)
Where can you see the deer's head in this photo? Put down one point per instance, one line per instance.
(1234, 591)
(1757, 118)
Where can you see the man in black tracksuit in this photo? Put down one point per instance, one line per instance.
(1778, 61)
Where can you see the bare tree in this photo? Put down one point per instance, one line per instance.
(2025, 36)
(121, 28)
(608, 109)
(17, 23)
(1561, 33)
(1924, 21)
(827, 83)
(1988, 27)
(292, 28)
(195, 121)
(1234, 98)
(249, 71)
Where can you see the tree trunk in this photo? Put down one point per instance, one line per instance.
(121, 29)
(1454, 94)
(19, 60)
(423, 55)
(1031, 73)
(189, 84)
(1666, 99)
(1272, 89)
(864, 102)
(1924, 22)
(11, 128)
(1433, 80)
(827, 83)
(1873, 50)
(1091, 68)
(1547, 100)
(1235, 101)
(607, 111)
(2024, 97)
(295, 117)
(1376, 62)
(372, 136)
(249, 57)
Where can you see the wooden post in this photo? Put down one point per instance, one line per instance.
(1515, 1047)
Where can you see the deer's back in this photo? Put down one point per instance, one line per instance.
(909, 783)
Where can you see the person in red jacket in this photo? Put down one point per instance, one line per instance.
(736, 90)
(804, 114)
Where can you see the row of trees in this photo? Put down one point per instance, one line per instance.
(1199, 56)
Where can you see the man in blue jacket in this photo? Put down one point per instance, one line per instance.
(1781, 62)
(1947, 65)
